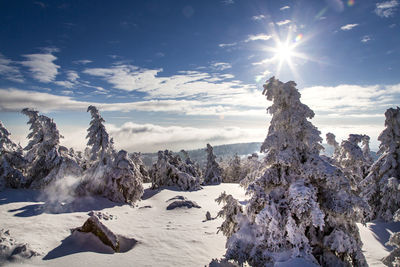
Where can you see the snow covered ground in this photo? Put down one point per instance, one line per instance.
(178, 237)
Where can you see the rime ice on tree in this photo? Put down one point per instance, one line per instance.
(170, 170)
(302, 206)
(47, 160)
(381, 186)
(125, 183)
(351, 158)
(213, 170)
(12, 162)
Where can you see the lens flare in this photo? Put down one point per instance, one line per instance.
(350, 3)
(298, 38)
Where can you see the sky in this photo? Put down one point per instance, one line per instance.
(180, 74)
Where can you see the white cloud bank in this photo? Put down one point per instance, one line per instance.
(9, 70)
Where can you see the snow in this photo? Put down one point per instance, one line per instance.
(164, 237)
(178, 237)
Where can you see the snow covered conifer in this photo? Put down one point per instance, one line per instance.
(302, 206)
(47, 160)
(230, 211)
(137, 160)
(213, 173)
(170, 170)
(125, 182)
(331, 140)
(99, 153)
(381, 187)
(12, 162)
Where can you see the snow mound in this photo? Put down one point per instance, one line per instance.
(181, 202)
(11, 250)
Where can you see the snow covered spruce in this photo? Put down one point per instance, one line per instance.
(46, 159)
(110, 174)
(213, 173)
(302, 206)
(352, 159)
(170, 170)
(381, 186)
(12, 163)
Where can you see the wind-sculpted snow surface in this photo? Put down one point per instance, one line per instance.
(302, 206)
(381, 186)
(213, 173)
(170, 170)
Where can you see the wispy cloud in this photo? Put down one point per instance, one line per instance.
(9, 70)
(348, 27)
(258, 17)
(227, 45)
(386, 9)
(257, 37)
(283, 22)
(227, 2)
(366, 38)
(42, 66)
(82, 61)
(220, 66)
(183, 84)
(284, 7)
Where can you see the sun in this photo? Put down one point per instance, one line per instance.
(284, 52)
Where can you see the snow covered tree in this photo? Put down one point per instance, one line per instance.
(302, 206)
(99, 154)
(125, 182)
(253, 169)
(137, 159)
(47, 161)
(233, 171)
(351, 158)
(12, 162)
(213, 173)
(170, 170)
(381, 187)
(230, 211)
(393, 259)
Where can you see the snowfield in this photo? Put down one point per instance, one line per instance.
(150, 234)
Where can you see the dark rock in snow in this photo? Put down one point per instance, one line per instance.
(208, 216)
(93, 225)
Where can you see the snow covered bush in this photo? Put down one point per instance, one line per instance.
(254, 168)
(351, 158)
(381, 187)
(125, 180)
(12, 162)
(170, 170)
(233, 171)
(302, 206)
(213, 173)
(99, 156)
(47, 160)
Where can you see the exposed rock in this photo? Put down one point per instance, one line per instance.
(181, 202)
(93, 225)
(208, 216)
(102, 215)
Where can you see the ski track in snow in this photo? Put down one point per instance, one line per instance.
(179, 237)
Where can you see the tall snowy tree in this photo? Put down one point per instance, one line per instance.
(302, 206)
(170, 170)
(213, 173)
(381, 187)
(99, 156)
(125, 182)
(351, 158)
(12, 162)
(47, 161)
(233, 171)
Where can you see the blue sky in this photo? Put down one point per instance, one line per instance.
(179, 74)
